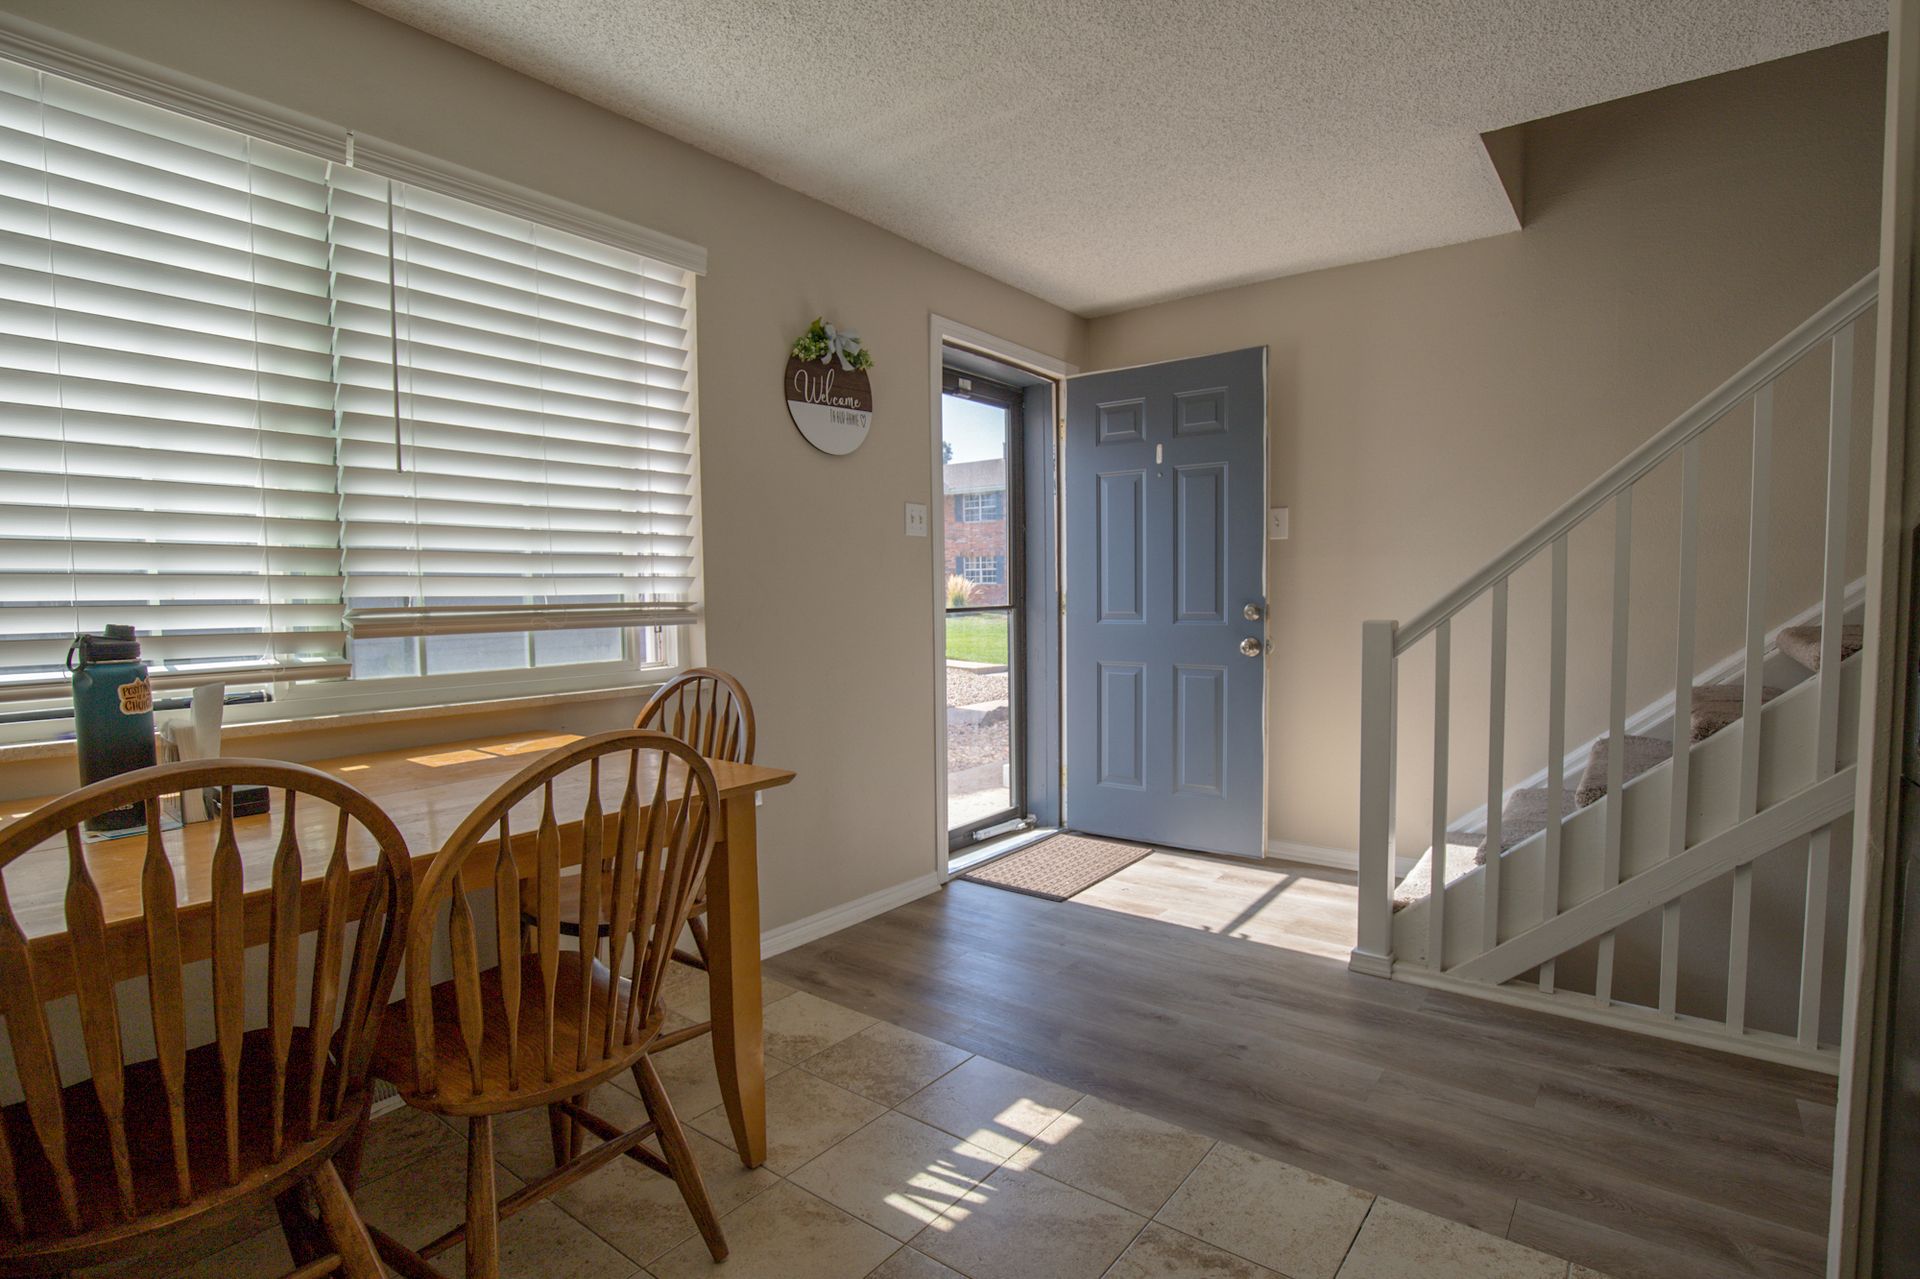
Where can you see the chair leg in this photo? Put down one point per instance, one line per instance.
(346, 1160)
(341, 1220)
(673, 1144)
(697, 925)
(483, 1202)
(560, 1133)
(306, 1241)
(576, 1135)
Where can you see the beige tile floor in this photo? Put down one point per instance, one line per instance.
(892, 1156)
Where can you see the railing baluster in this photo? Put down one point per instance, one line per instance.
(1496, 766)
(1437, 897)
(1682, 716)
(1556, 748)
(1616, 731)
(1813, 941)
(1759, 510)
(1374, 951)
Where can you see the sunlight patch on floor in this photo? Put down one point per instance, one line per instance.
(1269, 903)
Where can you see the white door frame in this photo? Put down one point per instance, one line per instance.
(1891, 519)
(942, 333)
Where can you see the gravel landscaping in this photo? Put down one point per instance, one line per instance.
(971, 745)
(967, 688)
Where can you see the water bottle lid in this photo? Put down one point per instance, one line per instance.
(117, 644)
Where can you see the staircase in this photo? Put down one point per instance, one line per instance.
(1690, 883)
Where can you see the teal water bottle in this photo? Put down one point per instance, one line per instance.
(112, 714)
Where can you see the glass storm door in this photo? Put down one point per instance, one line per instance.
(982, 564)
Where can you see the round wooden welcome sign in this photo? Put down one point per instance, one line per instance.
(829, 395)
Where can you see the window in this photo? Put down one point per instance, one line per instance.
(982, 570)
(979, 508)
(295, 420)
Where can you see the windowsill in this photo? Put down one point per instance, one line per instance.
(63, 747)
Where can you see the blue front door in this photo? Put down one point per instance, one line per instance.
(1165, 472)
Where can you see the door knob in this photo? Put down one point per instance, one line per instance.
(1253, 612)
(1250, 646)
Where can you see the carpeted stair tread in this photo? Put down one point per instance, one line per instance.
(1643, 753)
(1802, 644)
(1523, 816)
(1717, 705)
(1418, 884)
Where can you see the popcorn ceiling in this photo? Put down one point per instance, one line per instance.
(1103, 155)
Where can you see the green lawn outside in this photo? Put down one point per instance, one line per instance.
(977, 637)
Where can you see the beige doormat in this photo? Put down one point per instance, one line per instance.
(1059, 867)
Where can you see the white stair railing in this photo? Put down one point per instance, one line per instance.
(1385, 643)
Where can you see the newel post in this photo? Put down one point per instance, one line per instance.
(1374, 954)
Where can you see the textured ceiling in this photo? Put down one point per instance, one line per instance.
(1106, 153)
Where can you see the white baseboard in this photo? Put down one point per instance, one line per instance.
(814, 927)
(1313, 854)
(1333, 858)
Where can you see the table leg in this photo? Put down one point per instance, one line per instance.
(733, 925)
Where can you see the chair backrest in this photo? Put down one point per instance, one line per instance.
(650, 848)
(318, 1076)
(707, 709)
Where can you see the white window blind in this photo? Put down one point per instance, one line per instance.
(539, 472)
(165, 391)
(254, 401)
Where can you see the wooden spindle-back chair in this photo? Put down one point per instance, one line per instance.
(114, 1165)
(710, 711)
(548, 1021)
(707, 709)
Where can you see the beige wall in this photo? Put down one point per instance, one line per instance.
(1427, 410)
(813, 595)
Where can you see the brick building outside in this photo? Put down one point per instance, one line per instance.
(976, 520)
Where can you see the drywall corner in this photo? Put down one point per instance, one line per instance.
(1507, 153)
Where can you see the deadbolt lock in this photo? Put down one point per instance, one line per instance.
(1253, 612)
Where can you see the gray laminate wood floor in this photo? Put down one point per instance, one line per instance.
(1214, 994)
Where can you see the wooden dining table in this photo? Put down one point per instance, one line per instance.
(428, 792)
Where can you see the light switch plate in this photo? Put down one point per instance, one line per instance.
(916, 519)
(1279, 521)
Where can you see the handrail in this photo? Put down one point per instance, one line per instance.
(1770, 364)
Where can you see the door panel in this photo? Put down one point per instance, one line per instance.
(1165, 489)
(1200, 543)
(1122, 554)
(1200, 730)
(1123, 724)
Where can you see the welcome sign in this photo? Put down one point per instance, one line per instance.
(829, 395)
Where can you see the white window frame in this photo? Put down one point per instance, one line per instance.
(993, 568)
(684, 646)
(975, 508)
